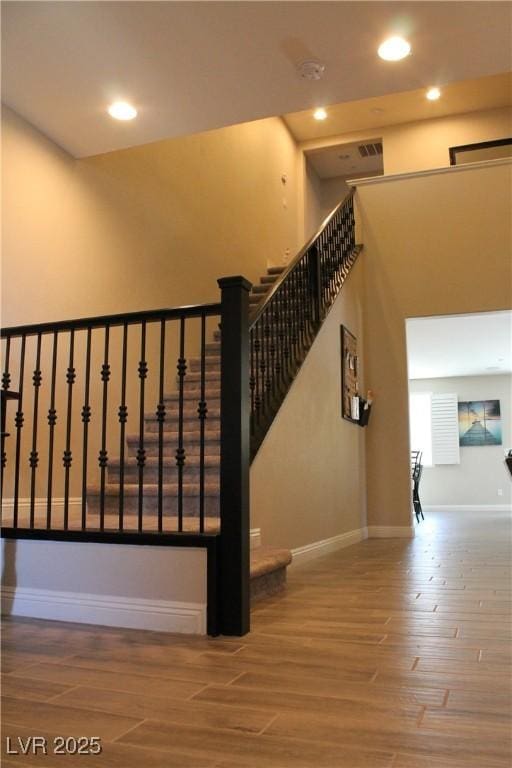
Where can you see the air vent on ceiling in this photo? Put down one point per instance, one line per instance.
(369, 150)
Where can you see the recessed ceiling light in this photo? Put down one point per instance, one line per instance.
(320, 114)
(121, 110)
(433, 94)
(394, 49)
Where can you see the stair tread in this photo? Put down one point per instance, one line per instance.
(266, 559)
(210, 460)
(151, 489)
(188, 434)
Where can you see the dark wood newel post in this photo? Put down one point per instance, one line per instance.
(235, 457)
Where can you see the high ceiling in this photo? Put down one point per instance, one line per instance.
(467, 96)
(479, 344)
(193, 66)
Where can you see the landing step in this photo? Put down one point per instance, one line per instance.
(268, 571)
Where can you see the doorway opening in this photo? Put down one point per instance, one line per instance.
(460, 417)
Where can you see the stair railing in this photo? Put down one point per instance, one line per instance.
(285, 325)
(114, 430)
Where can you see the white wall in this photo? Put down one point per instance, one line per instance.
(482, 470)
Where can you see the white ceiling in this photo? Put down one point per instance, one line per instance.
(479, 344)
(193, 66)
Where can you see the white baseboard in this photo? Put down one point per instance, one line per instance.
(255, 538)
(40, 505)
(467, 507)
(323, 547)
(106, 610)
(390, 531)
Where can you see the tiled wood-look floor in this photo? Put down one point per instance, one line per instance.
(388, 654)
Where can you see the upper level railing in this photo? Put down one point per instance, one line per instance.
(285, 325)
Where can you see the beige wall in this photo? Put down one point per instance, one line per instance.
(437, 243)
(308, 478)
(145, 227)
(482, 470)
(425, 144)
(143, 587)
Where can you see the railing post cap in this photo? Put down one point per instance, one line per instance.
(236, 281)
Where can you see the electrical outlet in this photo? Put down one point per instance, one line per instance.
(500, 491)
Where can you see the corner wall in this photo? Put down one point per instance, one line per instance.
(435, 243)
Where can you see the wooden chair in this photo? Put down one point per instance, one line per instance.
(416, 472)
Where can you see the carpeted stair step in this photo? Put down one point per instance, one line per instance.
(191, 443)
(190, 498)
(191, 396)
(211, 363)
(262, 289)
(191, 469)
(275, 270)
(193, 377)
(268, 571)
(190, 421)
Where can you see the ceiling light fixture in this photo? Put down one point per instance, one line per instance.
(320, 114)
(394, 49)
(121, 110)
(433, 94)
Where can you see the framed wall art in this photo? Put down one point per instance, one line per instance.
(349, 376)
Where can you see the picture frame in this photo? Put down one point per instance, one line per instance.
(349, 375)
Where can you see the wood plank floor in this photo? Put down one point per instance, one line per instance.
(388, 654)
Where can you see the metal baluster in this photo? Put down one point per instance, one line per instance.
(86, 418)
(123, 417)
(295, 316)
(6, 380)
(202, 411)
(302, 307)
(272, 319)
(103, 454)
(257, 394)
(160, 415)
(269, 369)
(52, 421)
(281, 335)
(34, 456)
(252, 378)
(141, 451)
(67, 458)
(18, 423)
(180, 452)
(263, 363)
(287, 333)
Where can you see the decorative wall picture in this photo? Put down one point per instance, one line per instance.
(479, 423)
(349, 376)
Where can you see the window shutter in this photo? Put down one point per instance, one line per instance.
(445, 429)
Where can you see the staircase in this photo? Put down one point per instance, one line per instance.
(268, 564)
(72, 380)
